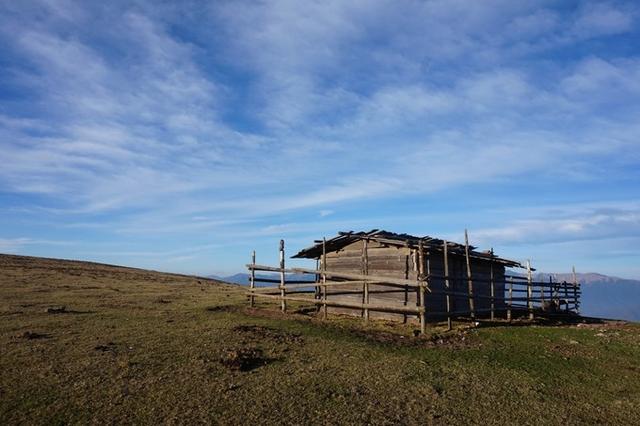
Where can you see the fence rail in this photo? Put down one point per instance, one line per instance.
(521, 293)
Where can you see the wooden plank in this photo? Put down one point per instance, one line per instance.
(406, 289)
(277, 281)
(575, 290)
(529, 290)
(350, 276)
(283, 303)
(510, 298)
(469, 280)
(324, 277)
(370, 306)
(446, 282)
(252, 278)
(346, 275)
(365, 271)
(493, 289)
(421, 275)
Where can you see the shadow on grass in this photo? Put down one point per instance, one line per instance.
(245, 359)
(546, 319)
(345, 329)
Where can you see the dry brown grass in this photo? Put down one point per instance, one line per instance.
(135, 346)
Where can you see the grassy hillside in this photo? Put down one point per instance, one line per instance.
(134, 346)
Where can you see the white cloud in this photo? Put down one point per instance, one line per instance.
(15, 245)
(601, 19)
(244, 113)
(559, 226)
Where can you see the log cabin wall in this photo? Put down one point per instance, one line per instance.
(382, 261)
(402, 262)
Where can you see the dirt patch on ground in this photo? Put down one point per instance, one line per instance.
(109, 347)
(56, 310)
(244, 359)
(223, 308)
(603, 324)
(31, 335)
(257, 332)
(455, 339)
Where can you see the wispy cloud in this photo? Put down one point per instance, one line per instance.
(134, 121)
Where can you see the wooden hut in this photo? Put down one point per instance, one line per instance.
(471, 279)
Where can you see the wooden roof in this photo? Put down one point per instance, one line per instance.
(343, 239)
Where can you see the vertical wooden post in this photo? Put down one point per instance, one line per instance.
(420, 302)
(447, 288)
(529, 290)
(318, 293)
(283, 302)
(425, 284)
(469, 280)
(575, 291)
(324, 278)
(510, 299)
(252, 278)
(406, 287)
(365, 271)
(493, 290)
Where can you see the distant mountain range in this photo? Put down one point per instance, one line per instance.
(243, 278)
(602, 295)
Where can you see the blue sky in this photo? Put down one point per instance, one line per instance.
(180, 136)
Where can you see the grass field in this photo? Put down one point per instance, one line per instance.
(135, 346)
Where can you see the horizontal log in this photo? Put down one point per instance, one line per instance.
(349, 276)
(369, 306)
(273, 280)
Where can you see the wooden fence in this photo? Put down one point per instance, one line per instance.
(522, 295)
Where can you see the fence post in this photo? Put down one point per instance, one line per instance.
(365, 271)
(324, 278)
(469, 280)
(575, 291)
(252, 278)
(318, 293)
(446, 284)
(283, 303)
(510, 298)
(529, 290)
(493, 290)
(420, 302)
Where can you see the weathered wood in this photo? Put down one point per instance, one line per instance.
(311, 284)
(493, 289)
(252, 278)
(529, 290)
(421, 301)
(277, 281)
(368, 273)
(447, 285)
(365, 271)
(345, 275)
(575, 290)
(406, 288)
(470, 281)
(283, 303)
(510, 298)
(324, 277)
(389, 295)
(371, 306)
(369, 278)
